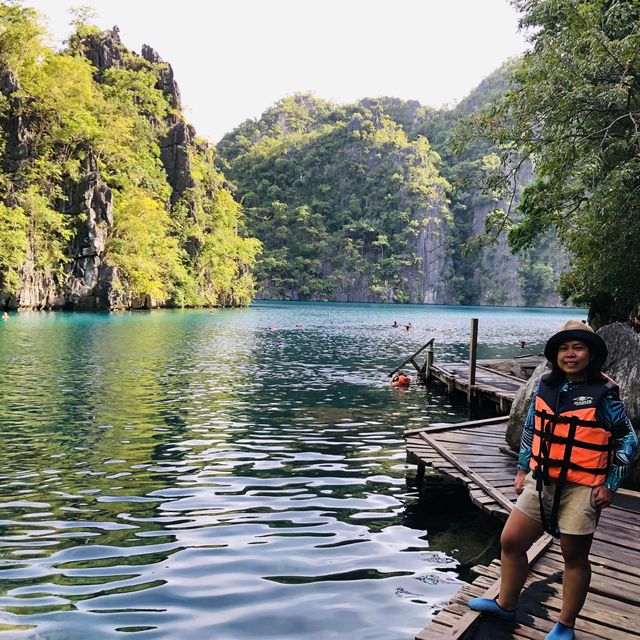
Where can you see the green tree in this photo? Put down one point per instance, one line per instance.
(574, 110)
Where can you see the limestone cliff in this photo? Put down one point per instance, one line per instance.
(61, 189)
(501, 277)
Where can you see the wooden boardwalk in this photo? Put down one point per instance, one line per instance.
(490, 383)
(472, 453)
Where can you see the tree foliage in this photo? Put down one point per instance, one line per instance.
(337, 194)
(574, 111)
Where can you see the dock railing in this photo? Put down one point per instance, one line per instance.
(423, 371)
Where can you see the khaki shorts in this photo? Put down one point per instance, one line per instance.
(577, 514)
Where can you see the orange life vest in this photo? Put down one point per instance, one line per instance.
(401, 381)
(569, 444)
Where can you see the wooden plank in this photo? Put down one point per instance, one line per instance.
(437, 427)
(537, 549)
(502, 374)
(479, 480)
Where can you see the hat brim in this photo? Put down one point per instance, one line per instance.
(593, 340)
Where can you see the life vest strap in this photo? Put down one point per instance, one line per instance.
(560, 419)
(555, 462)
(553, 437)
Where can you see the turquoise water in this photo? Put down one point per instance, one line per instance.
(229, 474)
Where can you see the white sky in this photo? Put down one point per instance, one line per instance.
(233, 59)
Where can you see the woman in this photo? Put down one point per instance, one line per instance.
(577, 446)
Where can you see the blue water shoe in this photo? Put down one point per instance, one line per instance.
(560, 632)
(491, 607)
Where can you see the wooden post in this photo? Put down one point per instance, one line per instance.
(420, 474)
(428, 364)
(473, 356)
(473, 351)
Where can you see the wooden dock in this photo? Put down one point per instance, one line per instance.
(472, 452)
(490, 383)
(482, 381)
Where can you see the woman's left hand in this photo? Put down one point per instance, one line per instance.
(602, 497)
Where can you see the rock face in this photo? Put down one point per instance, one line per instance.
(105, 50)
(89, 281)
(521, 404)
(20, 142)
(38, 289)
(428, 283)
(623, 365)
(174, 153)
(498, 279)
(167, 83)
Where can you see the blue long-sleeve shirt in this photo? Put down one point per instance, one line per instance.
(612, 414)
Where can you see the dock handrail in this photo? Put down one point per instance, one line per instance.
(411, 359)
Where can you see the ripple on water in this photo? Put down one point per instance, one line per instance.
(179, 472)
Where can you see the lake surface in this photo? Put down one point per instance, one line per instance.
(229, 474)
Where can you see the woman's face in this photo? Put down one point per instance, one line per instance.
(573, 359)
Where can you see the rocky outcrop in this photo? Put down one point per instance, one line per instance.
(104, 50)
(176, 143)
(89, 281)
(174, 153)
(623, 365)
(166, 83)
(520, 406)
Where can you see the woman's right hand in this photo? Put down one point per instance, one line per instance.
(519, 481)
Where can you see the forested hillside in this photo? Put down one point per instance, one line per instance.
(107, 197)
(346, 205)
(372, 202)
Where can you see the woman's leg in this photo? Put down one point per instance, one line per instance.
(519, 533)
(577, 575)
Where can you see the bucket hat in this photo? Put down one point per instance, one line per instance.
(576, 330)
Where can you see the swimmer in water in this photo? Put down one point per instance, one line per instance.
(400, 379)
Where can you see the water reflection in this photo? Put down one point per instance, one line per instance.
(225, 473)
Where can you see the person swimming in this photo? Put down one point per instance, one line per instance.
(400, 379)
